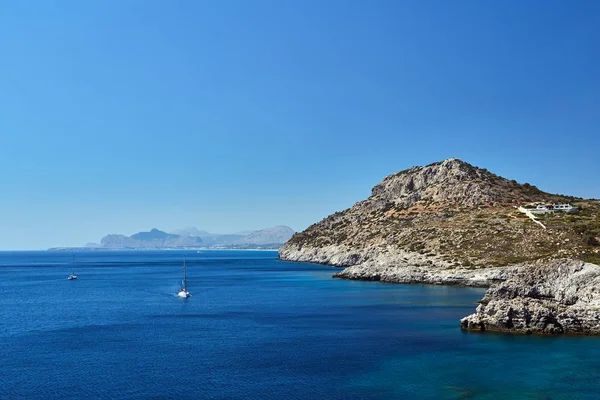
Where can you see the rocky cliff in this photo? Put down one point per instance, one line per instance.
(549, 297)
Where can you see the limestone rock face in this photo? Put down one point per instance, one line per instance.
(398, 267)
(543, 297)
(450, 181)
(410, 272)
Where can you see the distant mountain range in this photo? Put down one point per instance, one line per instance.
(155, 239)
(192, 237)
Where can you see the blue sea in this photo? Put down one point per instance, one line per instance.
(258, 328)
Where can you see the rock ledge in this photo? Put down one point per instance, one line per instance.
(546, 297)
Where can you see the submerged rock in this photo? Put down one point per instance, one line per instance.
(546, 297)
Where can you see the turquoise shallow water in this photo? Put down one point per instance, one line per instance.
(259, 328)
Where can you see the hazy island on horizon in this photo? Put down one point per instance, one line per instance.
(190, 238)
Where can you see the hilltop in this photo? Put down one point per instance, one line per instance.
(444, 219)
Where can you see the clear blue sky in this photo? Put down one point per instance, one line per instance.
(121, 116)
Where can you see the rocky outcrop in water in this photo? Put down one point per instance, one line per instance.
(544, 297)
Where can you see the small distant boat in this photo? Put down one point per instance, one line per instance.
(183, 292)
(72, 276)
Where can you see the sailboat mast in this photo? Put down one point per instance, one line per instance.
(73, 265)
(184, 275)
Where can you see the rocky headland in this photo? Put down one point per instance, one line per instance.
(544, 297)
(449, 223)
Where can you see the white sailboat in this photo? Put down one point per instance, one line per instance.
(73, 276)
(183, 292)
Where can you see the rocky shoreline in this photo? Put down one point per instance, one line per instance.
(419, 275)
(542, 297)
(396, 267)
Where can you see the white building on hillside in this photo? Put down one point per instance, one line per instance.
(550, 208)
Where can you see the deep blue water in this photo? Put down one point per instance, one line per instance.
(258, 328)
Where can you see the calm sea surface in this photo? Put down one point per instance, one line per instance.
(258, 328)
